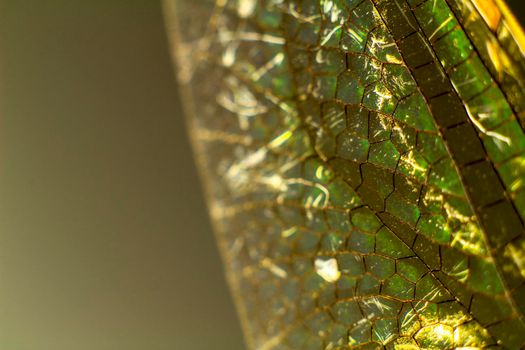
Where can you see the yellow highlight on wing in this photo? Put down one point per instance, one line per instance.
(490, 12)
(493, 12)
(512, 23)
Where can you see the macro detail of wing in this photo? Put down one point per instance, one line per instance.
(364, 163)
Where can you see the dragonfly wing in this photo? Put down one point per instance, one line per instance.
(364, 165)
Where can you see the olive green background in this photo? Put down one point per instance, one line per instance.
(518, 7)
(104, 238)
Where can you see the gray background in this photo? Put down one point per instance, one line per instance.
(104, 238)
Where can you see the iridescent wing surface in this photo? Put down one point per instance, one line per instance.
(364, 162)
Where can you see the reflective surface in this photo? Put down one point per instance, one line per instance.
(364, 167)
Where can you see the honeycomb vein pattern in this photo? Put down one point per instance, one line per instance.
(364, 165)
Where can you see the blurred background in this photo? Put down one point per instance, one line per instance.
(104, 239)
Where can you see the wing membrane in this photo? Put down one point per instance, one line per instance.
(364, 164)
